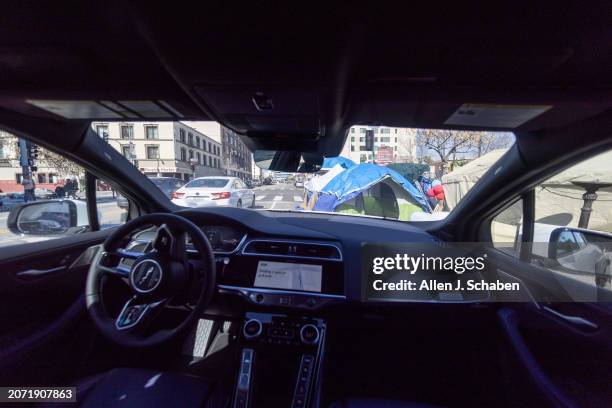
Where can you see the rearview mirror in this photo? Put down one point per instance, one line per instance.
(583, 251)
(287, 161)
(50, 217)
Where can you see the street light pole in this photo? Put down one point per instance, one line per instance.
(589, 198)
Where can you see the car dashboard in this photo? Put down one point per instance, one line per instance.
(289, 260)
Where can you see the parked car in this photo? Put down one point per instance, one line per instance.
(167, 185)
(44, 193)
(10, 200)
(214, 191)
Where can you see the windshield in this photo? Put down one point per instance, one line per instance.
(403, 174)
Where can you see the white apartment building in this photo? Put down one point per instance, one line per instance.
(164, 149)
(237, 158)
(391, 145)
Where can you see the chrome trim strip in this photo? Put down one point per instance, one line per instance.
(252, 336)
(40, 272)
(289, 241)
(575, 320)
(124, 269)
(125, 253)
(313, 342)
(245, 291)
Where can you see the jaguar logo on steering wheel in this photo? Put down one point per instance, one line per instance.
(146, 276)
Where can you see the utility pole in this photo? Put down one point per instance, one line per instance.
(23, 158)
(369, 143)
(28, 153)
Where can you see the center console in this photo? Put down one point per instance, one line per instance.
(280, 354)
(280, 360)
(283, 273)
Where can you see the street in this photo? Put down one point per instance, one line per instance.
(278, 197)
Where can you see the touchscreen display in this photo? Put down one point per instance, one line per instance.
(292, 276)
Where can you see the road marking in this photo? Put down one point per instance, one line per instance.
(260, 197)
(297, 198)
(277, 198)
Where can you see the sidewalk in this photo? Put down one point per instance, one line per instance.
(99, 194)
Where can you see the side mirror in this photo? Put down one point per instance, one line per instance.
(583, 251)
(288, 161)
(50, 217)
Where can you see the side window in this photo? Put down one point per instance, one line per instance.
(41, 194)
(112, 207)
(572, 231)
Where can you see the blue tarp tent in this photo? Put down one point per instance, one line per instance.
(358, 179)
(331, 162)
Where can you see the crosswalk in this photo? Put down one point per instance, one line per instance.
(276, 197)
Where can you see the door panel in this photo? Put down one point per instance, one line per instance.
(41, 301)
(564, 348)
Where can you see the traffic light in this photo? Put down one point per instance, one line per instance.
(369, 140)
(32, 150)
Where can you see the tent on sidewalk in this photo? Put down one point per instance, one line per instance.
(369, 189)
(558, 199)
(331, 162)
(458, 182)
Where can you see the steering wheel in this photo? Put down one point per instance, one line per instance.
(162, 277)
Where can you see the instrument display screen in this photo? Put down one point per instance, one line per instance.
(290, 276)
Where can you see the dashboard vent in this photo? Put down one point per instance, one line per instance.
(269, 248)
(293, 249)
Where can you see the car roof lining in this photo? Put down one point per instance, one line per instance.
(324, 71)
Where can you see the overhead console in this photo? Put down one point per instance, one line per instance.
(272, 117)
(286, 273)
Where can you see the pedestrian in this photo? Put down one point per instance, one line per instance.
(60, 192)
(70, 188)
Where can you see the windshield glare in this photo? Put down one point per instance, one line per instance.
(403, 174)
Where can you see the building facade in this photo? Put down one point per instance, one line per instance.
(391, 145)
(11, 174)
(164, 149)
(237, 158)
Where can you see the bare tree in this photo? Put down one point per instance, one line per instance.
(447, 145)
(63, 166)
(484, 142)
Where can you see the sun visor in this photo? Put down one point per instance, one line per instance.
(495, 116)
(106, 109)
